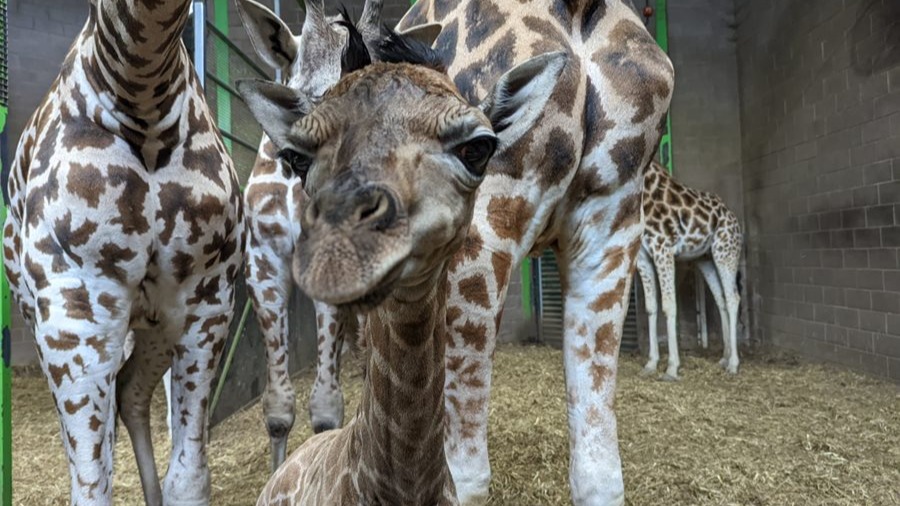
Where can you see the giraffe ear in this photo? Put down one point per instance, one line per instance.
(270, 37)
(425, 33)
(517, 99)
(276, 107)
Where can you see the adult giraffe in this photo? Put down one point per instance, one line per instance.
(572, 182)
(126, 217)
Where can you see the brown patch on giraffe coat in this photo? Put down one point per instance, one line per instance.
(629, 213)
(271, 230)
(501, 263)
(599, 375)
(559, 158)
(606, 341)
(627, 155)
(66, 341)
(110, 257)
(471, 248)
(78, 303)
(38, 197)
(635, 67)
(206, 291)
(182, 265)
(583, 353)
(57, 373)
(473, 334)
(73, 407)
(453, 313)
(595, 122)
(99, 346)
(594, 417)
(36, 272)
(607, 300)
(614, 259)
(177, 200)
(267, 198)
(108, 302)
(509, 216)
(43, 305)
(86, 182)
(474, 290)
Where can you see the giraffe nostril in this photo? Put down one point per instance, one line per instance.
(374, 210)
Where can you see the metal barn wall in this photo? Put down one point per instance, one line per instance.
(820, 103)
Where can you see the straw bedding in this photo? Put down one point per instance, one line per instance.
(780, 433)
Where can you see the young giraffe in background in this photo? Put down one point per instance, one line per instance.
(311, 64)
(681, 223)
(573, 183)
(125, 217)
(394, 155)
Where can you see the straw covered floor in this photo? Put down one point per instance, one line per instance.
(780, 433)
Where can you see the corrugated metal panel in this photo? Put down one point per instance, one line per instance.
(550, 306)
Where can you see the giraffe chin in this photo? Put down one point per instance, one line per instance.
(326, 279)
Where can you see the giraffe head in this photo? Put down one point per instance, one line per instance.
(313, 61)
(391, 158)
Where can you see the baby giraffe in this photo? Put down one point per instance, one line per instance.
(391, 158)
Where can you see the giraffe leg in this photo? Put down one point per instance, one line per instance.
(167, 388)
(326, 401)
(665, 269)
(187, 482)
(135, 384)
(81, 347)
(269, 287)
(727, 269)
(648, 281)
(597, 288)
(711, 275)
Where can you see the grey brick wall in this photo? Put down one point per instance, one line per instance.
(820, 104)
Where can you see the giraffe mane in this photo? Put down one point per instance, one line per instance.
(390, 47)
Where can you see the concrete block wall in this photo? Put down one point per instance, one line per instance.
(820, 123)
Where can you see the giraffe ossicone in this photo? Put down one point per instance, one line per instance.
(393, 156)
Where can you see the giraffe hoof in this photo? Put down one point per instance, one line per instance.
(669, 378)
(731, 370)
(646, 372)
(723, 363)
(323, 426)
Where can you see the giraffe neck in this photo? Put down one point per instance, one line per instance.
(137, 57)
(401, 414)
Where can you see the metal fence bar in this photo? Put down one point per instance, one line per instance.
(220, 36)
(199, 40)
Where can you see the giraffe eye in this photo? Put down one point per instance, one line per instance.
(298, 162)
(476, 153)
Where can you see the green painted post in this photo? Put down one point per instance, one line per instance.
(5, 371)
(527, 300)
(223, 96)
(662, 38)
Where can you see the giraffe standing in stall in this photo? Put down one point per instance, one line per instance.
(126, 220)
(310, 63)
(681, 223)
(572, 182)
(393, 156)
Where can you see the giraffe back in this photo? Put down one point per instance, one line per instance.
(684, 220)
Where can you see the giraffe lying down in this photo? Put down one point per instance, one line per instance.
(391, 159)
